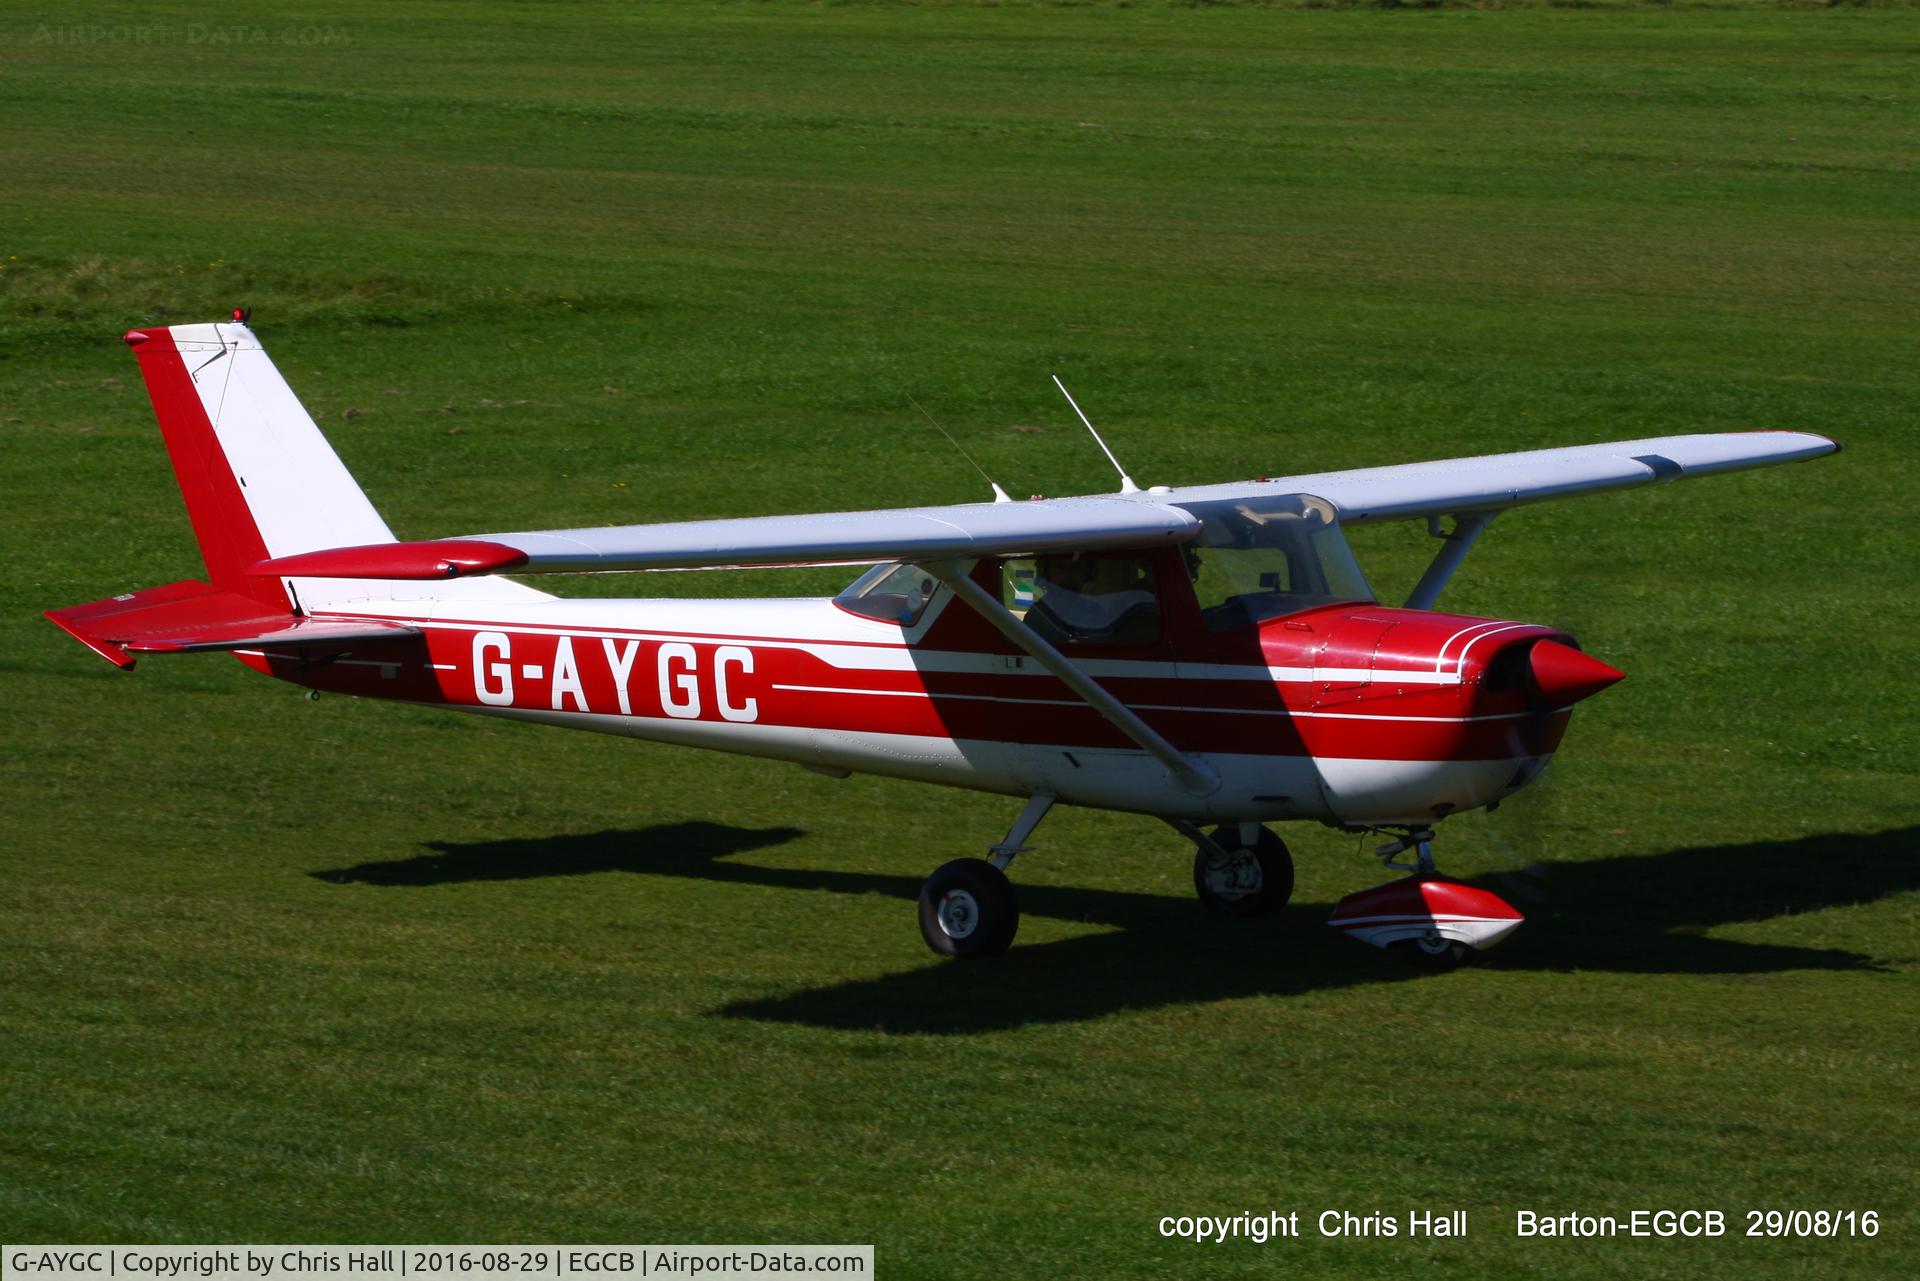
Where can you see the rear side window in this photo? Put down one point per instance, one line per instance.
(892, 593)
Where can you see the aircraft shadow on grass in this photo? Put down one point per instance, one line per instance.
(1632, 914)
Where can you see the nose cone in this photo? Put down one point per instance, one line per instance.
(1560, 676)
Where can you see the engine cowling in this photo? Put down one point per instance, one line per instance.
(1426, 714)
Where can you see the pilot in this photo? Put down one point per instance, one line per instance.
(1094, 600)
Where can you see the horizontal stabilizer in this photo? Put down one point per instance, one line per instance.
(191, 616)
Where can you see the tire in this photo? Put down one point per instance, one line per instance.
(1250, 881)
(1433, 955)
(968, 910)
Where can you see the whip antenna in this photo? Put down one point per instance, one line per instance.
(1126, 482)
(999, 494)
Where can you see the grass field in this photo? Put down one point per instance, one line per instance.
(339, 971)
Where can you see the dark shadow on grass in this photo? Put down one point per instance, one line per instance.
(1168, 951)
(673, 849)
(1645, 914)
(1632, 914)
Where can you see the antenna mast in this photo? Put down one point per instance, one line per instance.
(1126, 482)
(999, 494)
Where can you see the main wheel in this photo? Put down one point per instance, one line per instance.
(1243, 880)
(967, 909)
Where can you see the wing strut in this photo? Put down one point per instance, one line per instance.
(1454, 549)
(1191, 772)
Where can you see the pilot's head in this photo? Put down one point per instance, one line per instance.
(1071, 573)
(1091, 575)
(1114, 574)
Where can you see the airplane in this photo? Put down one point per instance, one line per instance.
(1211, 656)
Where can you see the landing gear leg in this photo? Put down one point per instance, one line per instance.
(967, 907)
(1016, 842)
(1417, 839)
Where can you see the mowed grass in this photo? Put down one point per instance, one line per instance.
(280, 970)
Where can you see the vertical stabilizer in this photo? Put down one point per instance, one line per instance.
(259, 479)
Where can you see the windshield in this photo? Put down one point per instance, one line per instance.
(892, 593)
(1258, 558)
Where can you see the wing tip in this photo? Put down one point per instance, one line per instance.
(1831, 446)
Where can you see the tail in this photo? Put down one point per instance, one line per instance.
(259, 479)
(260, 482)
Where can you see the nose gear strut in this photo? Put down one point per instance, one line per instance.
(1417, 839)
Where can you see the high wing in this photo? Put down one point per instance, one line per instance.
(966, 530)
(1495, 482)
(1455, 486)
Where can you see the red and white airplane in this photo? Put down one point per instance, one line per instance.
(1211, 656)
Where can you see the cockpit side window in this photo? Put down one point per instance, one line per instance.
(1091, 600)
(891, 593)
(1263, 557)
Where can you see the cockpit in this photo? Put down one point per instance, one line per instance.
(1254, 559)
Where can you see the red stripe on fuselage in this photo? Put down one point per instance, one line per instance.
(754, 680)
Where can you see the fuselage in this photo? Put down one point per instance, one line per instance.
(1351, 713)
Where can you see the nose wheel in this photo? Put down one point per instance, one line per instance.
(1432, 952)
